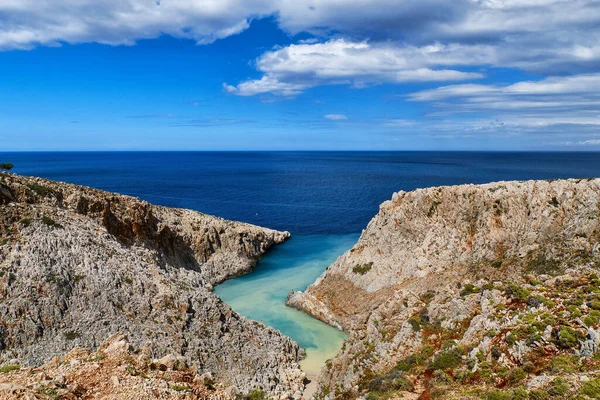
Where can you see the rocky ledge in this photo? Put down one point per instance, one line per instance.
(468, 292)
(79, 265)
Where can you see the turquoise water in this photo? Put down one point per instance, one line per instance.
(307, 193)
(292, 265)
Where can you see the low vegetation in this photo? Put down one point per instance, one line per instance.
(547, 322)
(362, 269)
(5, 369)
(51, 223)
(41, 190)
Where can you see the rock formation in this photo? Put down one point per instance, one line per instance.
(79, 265)
(451, 288)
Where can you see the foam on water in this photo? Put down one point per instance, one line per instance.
(293, 265)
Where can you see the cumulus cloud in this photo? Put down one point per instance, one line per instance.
(430, 40)
(336, 117)
(27, 23)
(385, 41)
(535, 35)
(292, 69)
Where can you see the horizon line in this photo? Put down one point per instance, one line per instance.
(295, 151)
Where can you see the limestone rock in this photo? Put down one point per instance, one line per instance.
(79, 265)
(425, 252)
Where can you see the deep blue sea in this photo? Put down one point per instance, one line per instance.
(324, 199)
(303, 192)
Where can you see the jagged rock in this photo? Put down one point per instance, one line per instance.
(425, 249)
(590, 346)
(78, 265)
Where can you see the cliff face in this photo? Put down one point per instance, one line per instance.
(78, 265)
(437, 257)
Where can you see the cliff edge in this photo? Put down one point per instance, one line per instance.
(450, 288)
(79, 265)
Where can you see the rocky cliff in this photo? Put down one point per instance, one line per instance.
(449, 289)
(78, 265)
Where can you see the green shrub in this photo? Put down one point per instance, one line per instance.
(566, 337)
(414, 360)
(394, 381)
(469, 289)
(50, 222)
(25, 222)
(415, 323)
(541, 265)
(433, 208)
(590, 321)
(594, 305)
(209, 383)
(362, 269)
(9, 368)
(179, 388)
(558, 387)
(520, 393)
(538, 394)
(255, 395)
(445, 360)
(497, 207)
(498, 395)
(50, 392)
(41, 190)
(516, 292)
(565, 363)
(448, 344)
(591, 388)
(511, 339)
(574, 311)
(408, 363)
(6, 166)
(516, 375)
(72, 335)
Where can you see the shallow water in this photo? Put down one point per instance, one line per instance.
(292, 265)
(307, 193)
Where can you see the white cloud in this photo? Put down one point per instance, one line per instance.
(336, 117)
(583, 143)
(552, 102)
(385, 41)
(536, 35)
(27, 23)
(301, 66)
(265, 85)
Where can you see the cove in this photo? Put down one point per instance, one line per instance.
(293, 265)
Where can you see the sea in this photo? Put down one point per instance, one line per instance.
(324, 199)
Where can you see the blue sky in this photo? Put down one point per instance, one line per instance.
(280, 75)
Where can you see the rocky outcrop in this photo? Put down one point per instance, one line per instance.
(78, 265)
(424, 249)
(115, 370)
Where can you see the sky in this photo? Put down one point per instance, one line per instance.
(300, 75)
